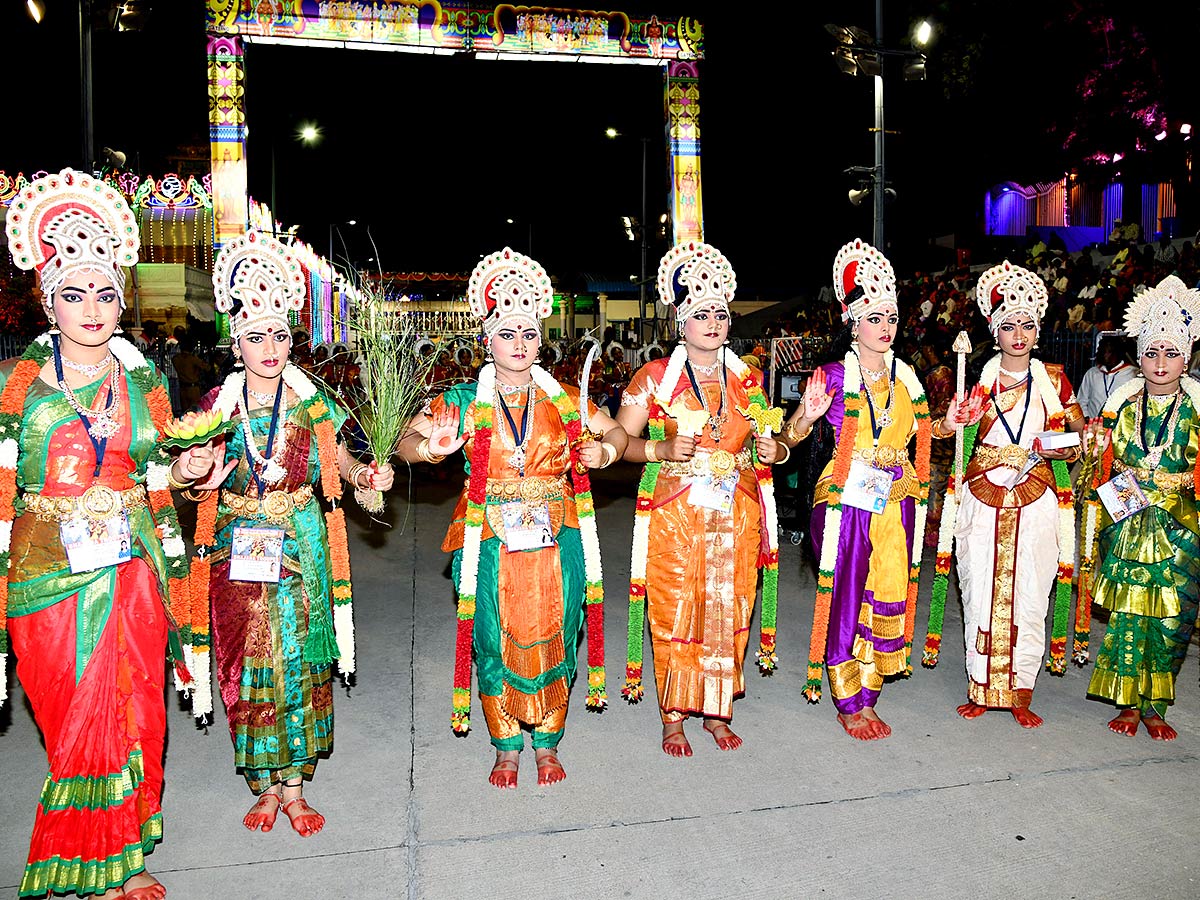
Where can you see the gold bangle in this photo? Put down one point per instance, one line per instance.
(177, 485)
(787, 453)
(938, 429)
(651, 451)
(196, 496)
(793, 434)
(608, 459)
(427, 455)
(355, 470)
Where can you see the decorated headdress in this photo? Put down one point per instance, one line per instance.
(694, 276)
(262, 275)
(508, 286)
(1169, 311)
(1006, 291)
(863, 280)
(71, 222)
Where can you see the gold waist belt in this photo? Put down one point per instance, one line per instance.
(883, 457)
(531, 489)
(1164, 481)
(275, 507)
(1011, 455)
(97, 502)
(718, 462)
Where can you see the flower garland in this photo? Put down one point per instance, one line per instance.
(853, 403)
(191, 671)
(1089, 542)
(228, 401)
(768, 557)
(460, 717)
(945, 551)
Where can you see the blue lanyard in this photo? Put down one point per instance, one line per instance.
(1108, 385)
(1162, 426)
(262, 488)
(99, 446)
(696, 386)
(1015, 438)
(518, 437)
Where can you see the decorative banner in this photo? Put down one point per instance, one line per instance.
(683, 151)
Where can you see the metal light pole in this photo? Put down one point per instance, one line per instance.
(85, 82)
(642, 275)
(879, 191)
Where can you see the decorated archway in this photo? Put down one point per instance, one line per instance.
(448, 27)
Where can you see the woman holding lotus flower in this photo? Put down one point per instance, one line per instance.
(95, 590)
(277, 569)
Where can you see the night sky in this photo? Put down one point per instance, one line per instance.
(434, 153)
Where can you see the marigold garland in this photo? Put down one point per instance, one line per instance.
(768, 558)
(597, 698)
(853, 403)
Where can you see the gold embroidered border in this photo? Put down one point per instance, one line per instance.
(1003, 634)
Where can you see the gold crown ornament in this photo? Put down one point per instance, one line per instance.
(507, 286)
(257, 280)
(1168, 312)
(1006, 291)
(864, 281)
(693, 276)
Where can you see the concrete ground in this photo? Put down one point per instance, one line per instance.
(945, 808)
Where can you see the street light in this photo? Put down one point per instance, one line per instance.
(529, 235)
(857, 53)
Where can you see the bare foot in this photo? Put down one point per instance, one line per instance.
(882, 728)
(549, 769)
(261, 816)
(144, 886)
(504, 772)
(1159, 729)
(1126, 722)
(971, 710)
(1026, 717)
(111, 894)
(305, 820)
(859, 727)
(674, 741)
(722, 734)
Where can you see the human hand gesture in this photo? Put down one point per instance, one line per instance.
(816, 401)
(768, 449)
(676, 449)
(967, 409)
(1095, 437)
(444, 438)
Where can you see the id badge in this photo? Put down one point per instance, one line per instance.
(96, 543)
(526, 526)
(256, 554)
(867, 487)
(712, 492)
(1122, 496)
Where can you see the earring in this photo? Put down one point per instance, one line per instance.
(237, 357)
(118, 329)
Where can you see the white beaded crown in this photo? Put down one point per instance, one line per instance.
(1169, 312)
(71, 222)
(264, 276)
(863, 280)
(1006, 291)
(694, 276)
(509, 285)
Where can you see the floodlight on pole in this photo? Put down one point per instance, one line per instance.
(36, 10)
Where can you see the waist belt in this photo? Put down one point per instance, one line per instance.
(883, 457)
(97, 503)
(1164, 481)
(275, 507)
(717, 462)
(1012, 455)
(531, 489)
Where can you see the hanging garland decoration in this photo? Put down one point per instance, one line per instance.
(318, 648)
(460, 717)
(189, 649)
(768, 557)
(1090, 539)
(853, 402)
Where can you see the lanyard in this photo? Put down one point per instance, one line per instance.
(1108, 385)
(877, 429)
(1162, 427)
(99, 446)
(1015, 438)
(518, 438)
(262, 488)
